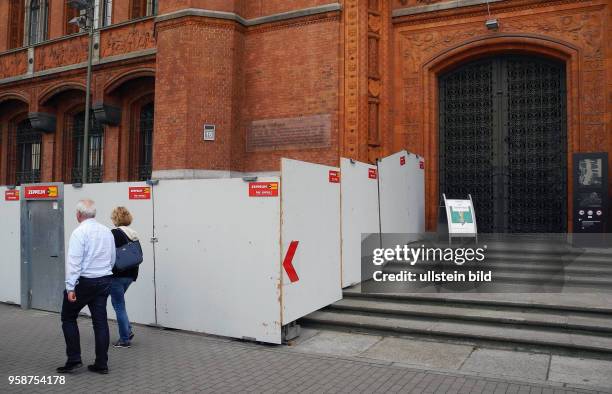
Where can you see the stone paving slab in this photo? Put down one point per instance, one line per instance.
(31, 343)
(422, 353)
(339, 343)
(581, 371)
(508, 363)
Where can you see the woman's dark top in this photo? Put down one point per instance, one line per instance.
(120, 240)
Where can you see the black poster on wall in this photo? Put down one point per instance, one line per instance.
(590, 196)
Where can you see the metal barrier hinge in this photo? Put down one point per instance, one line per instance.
(154, 240)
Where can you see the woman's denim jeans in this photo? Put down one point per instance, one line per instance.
(117, 293)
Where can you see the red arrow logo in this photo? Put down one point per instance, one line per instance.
(287, 262)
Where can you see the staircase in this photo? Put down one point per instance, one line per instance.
(577, 315)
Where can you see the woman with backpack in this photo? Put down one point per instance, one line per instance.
(122, 279)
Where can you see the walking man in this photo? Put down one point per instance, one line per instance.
(89, 264)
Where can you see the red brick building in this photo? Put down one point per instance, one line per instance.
(312, 80)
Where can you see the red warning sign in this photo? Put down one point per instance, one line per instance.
(11, 195)
(140, 193)
(41, 193)
(402, 160)
(288, 262)
(263, 189)
(372, 174)
(334, 176)
(421, 164)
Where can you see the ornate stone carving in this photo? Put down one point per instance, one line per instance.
(13, 64)
(374, 87)
(125, 39)
(61, 53)
(374, 23)
(351, 87)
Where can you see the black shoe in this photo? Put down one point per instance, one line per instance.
(69, 367)
(100, 370)
(131, 335)
(121, 344)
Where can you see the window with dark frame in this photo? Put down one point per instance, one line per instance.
(71, 13)
(38, 23)
(142, 8)
(29, 150)
(95, 171)
(107, 13)
(16, 19)
(145, 156)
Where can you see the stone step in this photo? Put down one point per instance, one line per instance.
(586, 321)
(591, 280)
(546, 258)
(519, 334)
(504, 266)
(582, 303)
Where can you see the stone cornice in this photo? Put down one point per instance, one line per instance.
(467, 8)
(198, 12)
(447, 5)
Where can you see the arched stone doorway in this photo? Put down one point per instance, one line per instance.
(503, 138)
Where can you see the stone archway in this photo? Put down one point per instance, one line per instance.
(503, 140)
(479, 48)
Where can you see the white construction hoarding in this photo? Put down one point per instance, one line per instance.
(218, 257)
(10, 245)
(402, 198)
(137, 198)
(311, 236)
(359, 204)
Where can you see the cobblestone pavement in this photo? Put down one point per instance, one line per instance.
(169, 361)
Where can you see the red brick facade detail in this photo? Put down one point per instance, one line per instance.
(374, 74)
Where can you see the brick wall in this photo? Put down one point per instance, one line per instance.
(286, 81)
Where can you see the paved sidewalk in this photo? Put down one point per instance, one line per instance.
(168, 361)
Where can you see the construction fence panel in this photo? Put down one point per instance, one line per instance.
(402, 198)
(360, 216)
(10, 244)
(138, 199)
(218, 257)
(310, 238)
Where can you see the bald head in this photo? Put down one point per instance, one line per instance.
(86, 209)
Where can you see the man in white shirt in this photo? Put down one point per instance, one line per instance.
(89, 264)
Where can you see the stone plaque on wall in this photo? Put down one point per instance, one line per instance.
(306, 132)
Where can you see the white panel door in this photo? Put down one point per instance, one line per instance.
(401, 201)
(310, 216)
(218, 258)
(140, 297)
(359, 205)
(10, 244)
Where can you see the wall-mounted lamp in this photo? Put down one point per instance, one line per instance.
(249, 178)
(153, 182)
(492, 24)
(11, 187)
(77, 185)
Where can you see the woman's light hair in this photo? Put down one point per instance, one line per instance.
(87, 208)
(121, 217)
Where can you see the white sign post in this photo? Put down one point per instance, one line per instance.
(461, 218)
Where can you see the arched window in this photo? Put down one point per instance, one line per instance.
(37, 21)
(15, 19)
(95, 155)
(29, 149)
(145, 142)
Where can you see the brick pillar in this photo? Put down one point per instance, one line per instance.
(196, 58)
